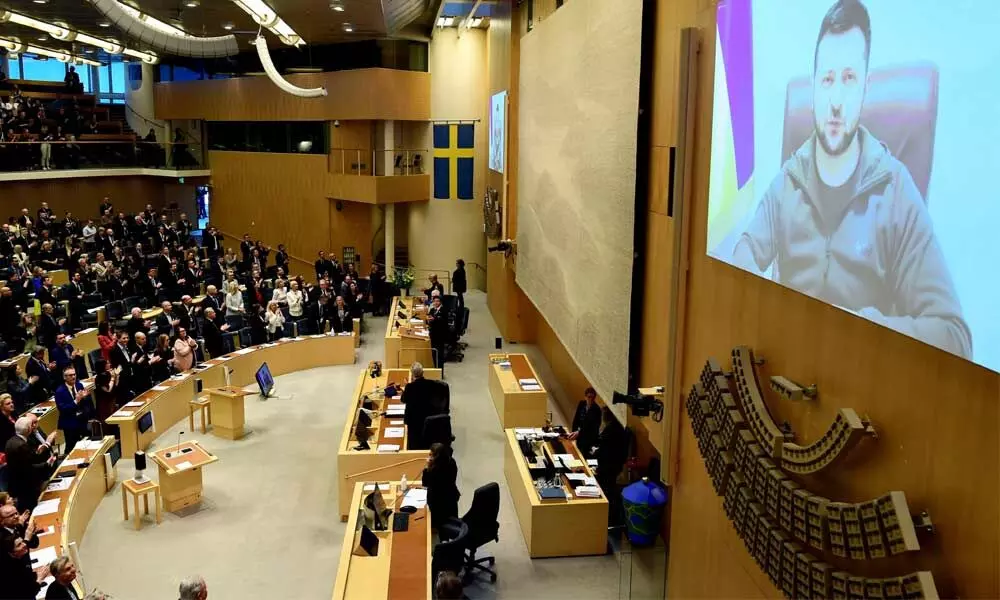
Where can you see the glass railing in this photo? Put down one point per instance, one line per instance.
(358, 161)
(99, 154)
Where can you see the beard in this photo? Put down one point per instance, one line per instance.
(845, 140)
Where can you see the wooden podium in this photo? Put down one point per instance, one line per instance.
(180, 474)
(227, 411)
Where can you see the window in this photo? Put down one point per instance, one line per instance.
(84, 72)
(104, 79)
(117, 78)
(38, 69)
(305, 137)
(14, 66)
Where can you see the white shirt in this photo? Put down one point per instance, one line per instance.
(275, 320)
(234, 302)
(279, 296)
(89, 231)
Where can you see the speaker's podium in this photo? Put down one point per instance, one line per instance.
(227, 411)
(180, 473)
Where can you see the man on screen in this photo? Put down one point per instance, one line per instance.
(843, 221)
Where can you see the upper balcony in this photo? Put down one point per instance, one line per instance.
(378, 176)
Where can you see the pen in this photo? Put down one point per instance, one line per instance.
(418, 518)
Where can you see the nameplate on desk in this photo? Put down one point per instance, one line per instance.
(396, 422)
(140, 402)
(394, 432)
(155, 388)
(388, 448)
(183, 466)
(40, 411)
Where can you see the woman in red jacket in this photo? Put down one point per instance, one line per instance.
(106, 339)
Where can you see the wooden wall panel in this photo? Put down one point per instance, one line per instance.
(83, 195)
(351, 143)
(937, 415)
(356, 94)
(281, 198)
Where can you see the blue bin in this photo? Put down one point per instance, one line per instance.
(643, 502)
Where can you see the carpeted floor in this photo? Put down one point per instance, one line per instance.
(268, 528)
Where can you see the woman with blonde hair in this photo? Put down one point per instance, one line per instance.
(234, 299)
(280, 294)
(275, 321)
(295, 300)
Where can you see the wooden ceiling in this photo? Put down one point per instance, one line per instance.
(314, 20)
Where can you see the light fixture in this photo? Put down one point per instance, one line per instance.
(43, 38)
(264, 15)
(61, 31)
(155, 34)
(445, 21)
(475, 21)
(146, 57)
(281, 82)
(337, 6)
(14, 46)
(348, 27)
(192, 3)
(104, 24)
(40, 1)
(228, 26)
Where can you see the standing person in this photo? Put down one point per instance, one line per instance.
(438, 320)
(295, 301)
(440, 478)
(105, 381)
(105, 339)
(26, 468)
(184, 350)
(275, 321)
(258, 325)
(213, 334)
(341, 320)
(611, 454)
(164, 355)
(459, 284)
(76, 408)
(234, 300)
(7, 421)
(586, 426)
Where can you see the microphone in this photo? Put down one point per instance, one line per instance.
(178, 446)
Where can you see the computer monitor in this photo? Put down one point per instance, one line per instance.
(402, 305)
(146, 422)
(376, 503)
(115, 453)
(364, 419)
(362, 434)
(401, 316)
(264, 380)
(550, 469)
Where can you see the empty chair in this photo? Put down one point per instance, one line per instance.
(246, 339)
(235, 322)
(92, 357)
(484, 527)
(449, 554)
(132, 302)
(440, 400)
(437, 429)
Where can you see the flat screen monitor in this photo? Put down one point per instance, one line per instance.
(364, 420)
(264, 380)
(115, 453)
(146, 422)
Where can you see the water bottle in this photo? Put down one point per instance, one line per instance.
(403, 485)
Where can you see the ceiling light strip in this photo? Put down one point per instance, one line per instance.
(64, 33)
(15, 46)
(265, 16)
(163, 37)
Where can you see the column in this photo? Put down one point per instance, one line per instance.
(389, 146)
(390, 239)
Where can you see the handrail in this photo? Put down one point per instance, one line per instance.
(150, 121)
(372, 169)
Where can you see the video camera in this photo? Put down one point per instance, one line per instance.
(643, 405)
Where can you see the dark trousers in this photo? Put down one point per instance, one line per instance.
(460, 302)
(73, 436)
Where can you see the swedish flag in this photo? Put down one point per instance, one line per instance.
(454, 146)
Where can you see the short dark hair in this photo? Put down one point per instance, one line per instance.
(448, 585)
(842, 17)
(589, 391)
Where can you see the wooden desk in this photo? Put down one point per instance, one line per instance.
(77, 503)
(403, 343)
(402, 568)
(180, 473)
(227, 406)
(354, 465)
(571, 527)
(515, 406)
(168, 401)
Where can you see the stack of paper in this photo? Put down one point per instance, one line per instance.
(46, 507)
(59, 485)
(69, 462)
(140, 402)
(528, 381)
(395, 410)
(415, 497)
(585, 480)
(155, 388)
(587, 491)
(394, 432)
(567, 460)
(89, 444)
(531, 387)
(592, 463)
(182, 466)
(121, 413)
(388, 448)
(397, 422)
(43, 556)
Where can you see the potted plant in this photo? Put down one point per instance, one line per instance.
(402, 278)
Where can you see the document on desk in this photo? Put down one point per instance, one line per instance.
(59, 485)
(592, 463)
(394, 432)
(581, 478)
(531, 387)
(89, 444)
(587, 491)
(69, 462)
(121, 414)
(528, 381)
(183, 466)
(47, 531)
(243, 351)
(387, 448)
(46, 507)
(39, 411)
(415, 497)
(43, 556)
(155, 388)
(567, 460)
(140, 402)
(397, 422)
(395, 410)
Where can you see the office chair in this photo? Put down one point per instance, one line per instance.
(114, 311)
(132, 302)
(245, 338)
(449, 554)
(437, 430)
(235, 321)
(92, 357)
(484, 527)
(440, 399)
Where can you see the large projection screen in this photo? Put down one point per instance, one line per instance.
(846, 141)
(577, 116)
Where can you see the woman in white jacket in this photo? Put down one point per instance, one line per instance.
(275, 321)
(294, 299)
(234, 300)
(280, 294)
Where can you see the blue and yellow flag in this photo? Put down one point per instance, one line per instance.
(454, 146)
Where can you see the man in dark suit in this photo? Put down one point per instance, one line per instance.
(586, 428)
(26, 468)
(120, 358)
(167, 322)
(418, 396)
(136, 323)
(185, 312)
(213, 242)
(19, 579)
(212, 333)
(76, 408)
(192, 278)
(323, 266)
(150, 286)
(435, 285)
(437, 319)
(39, 375)
(46, 294)
(64, 355)
(245, 247)
(611, 454)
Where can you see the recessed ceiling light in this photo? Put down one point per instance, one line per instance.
(228, 26)
(40, 1)
(88, 50)
(348, 27)
(43, 38)
(336, 6)
(191, 3)
(104, 24)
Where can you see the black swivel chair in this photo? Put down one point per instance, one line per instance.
(484, 527)
(449, 554)
(437, 430)
(92, 357)
(440, 399)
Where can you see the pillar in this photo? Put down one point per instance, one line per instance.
(390, 239)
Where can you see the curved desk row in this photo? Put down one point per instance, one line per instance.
(407, 339)
(354, 465)
(168, 402)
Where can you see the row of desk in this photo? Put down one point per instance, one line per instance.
(355, 465)
(407, 338)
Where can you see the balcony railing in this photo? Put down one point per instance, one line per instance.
(98, 154)
(365, 161)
